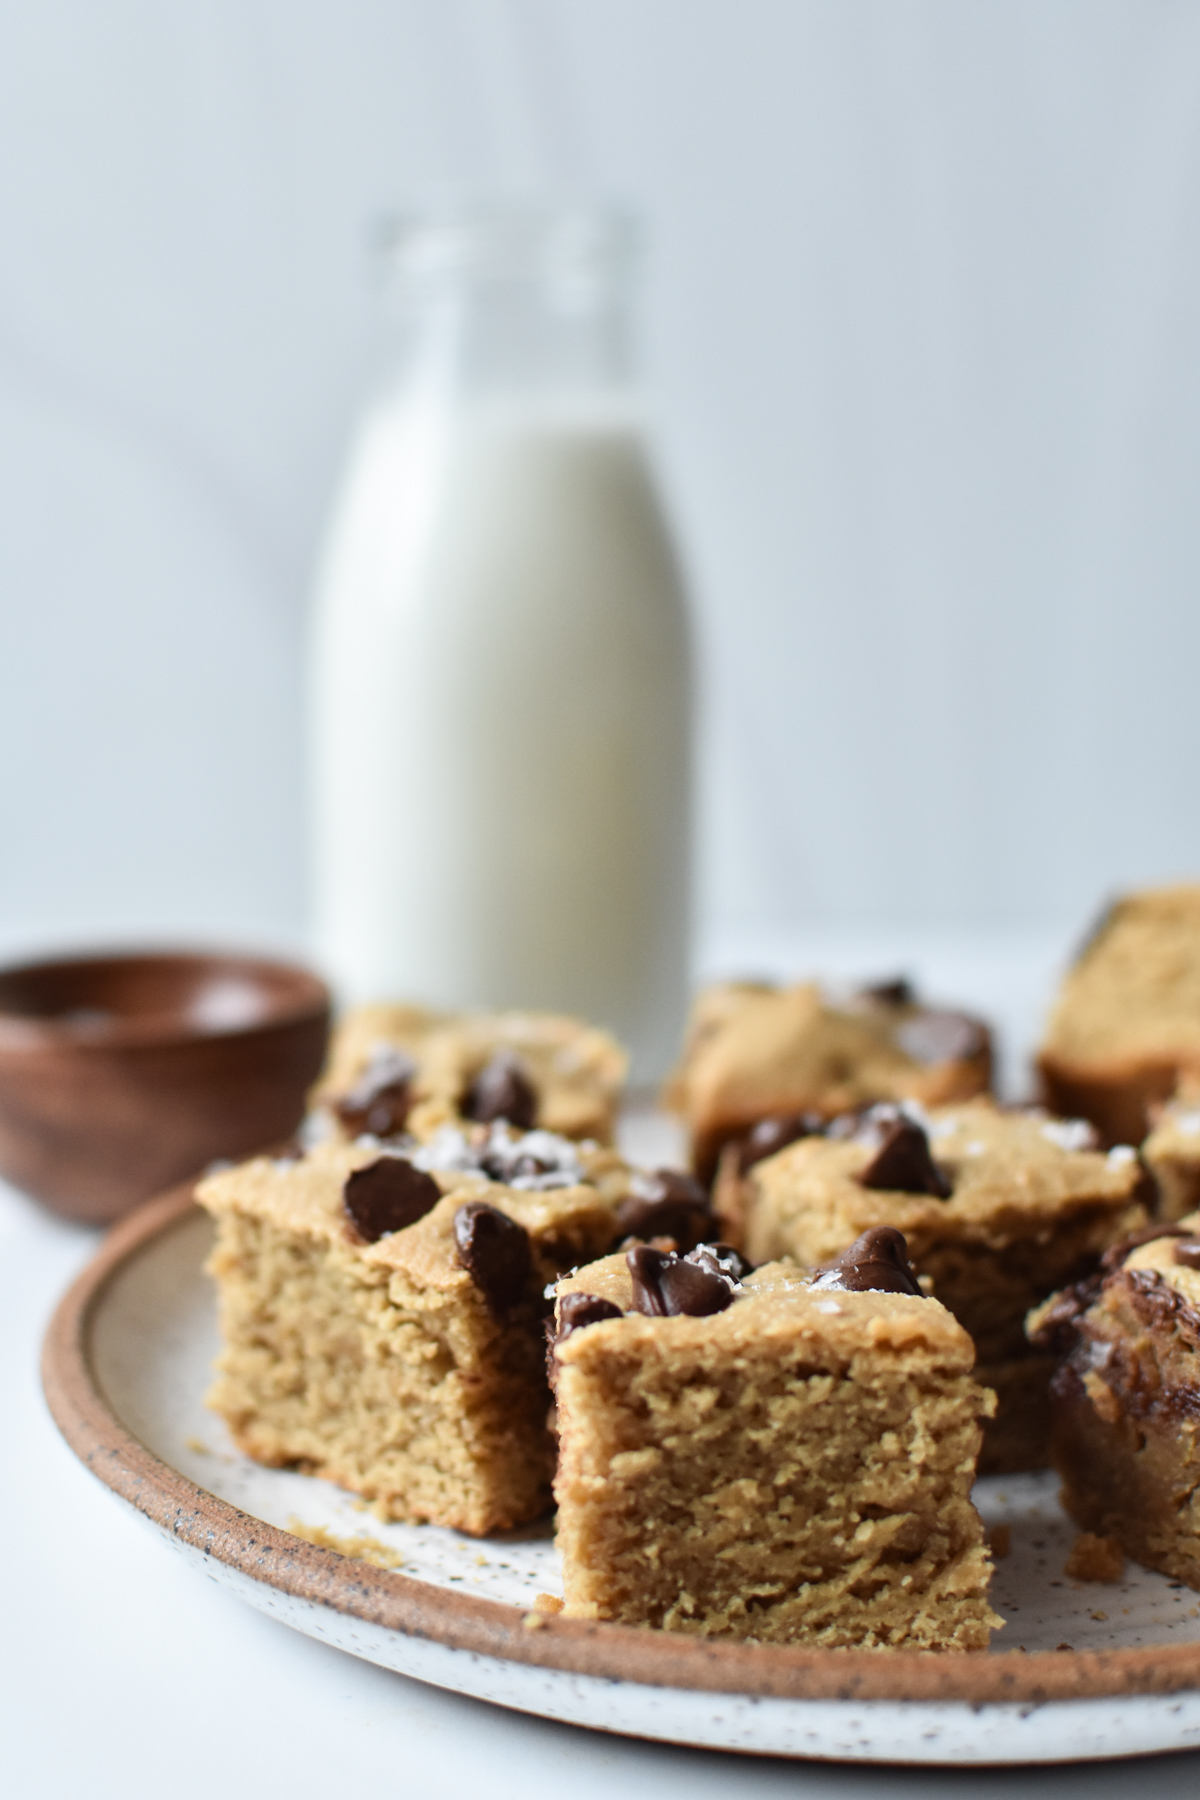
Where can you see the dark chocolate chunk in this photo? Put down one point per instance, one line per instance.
(1187, 1253)
(666, 1203)
(388, 1195)
(666, 1285)
(724, 1259)
(902, 1163)
(896, 992)
(1057, 1330)
(380, 1099)
(494, 1250)
(501, 1168)
(939, 1037)
(577, 1310)
(1115, 1255)
(875, 1262)
(502, 1090)
(770, 1136)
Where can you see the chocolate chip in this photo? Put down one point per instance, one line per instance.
(723, 1259)
(897, 992)
(666, 1203)
(666, 1285)
(494, 1250)
(577, 1310)
(875, 1262)
(387, 1196)
(770, 1136)
(902, 1163)
(1115, 1255)
(501, 1168)
(380, 1099)
(502, 1090)
(1187, 1253)
(940, 1037)
(1056, 1333)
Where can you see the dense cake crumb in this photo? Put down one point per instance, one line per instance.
(1095, 1558)
(794, 1467)
(391, 1339)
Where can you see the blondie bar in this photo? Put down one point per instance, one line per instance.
(756, 1053)
(1125, 1403)
(397, 1067)
(999, 1209)
(382, 1314)
(760, 1456)
(1126, 1024)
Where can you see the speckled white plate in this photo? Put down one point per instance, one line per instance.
(1080, 1671)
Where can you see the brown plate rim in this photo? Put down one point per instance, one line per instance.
(482, 1627)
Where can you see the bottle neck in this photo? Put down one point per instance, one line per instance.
(512, 302)
(477, 341)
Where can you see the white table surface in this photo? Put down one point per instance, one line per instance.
(126, 1676)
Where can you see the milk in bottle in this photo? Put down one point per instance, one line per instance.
(500, 659)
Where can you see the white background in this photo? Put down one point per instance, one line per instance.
(923, 319)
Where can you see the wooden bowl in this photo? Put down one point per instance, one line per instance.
(121, 1075)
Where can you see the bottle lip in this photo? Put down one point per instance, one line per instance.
(554, 243)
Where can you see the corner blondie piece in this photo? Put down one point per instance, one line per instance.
(768, 1459)
(755, 1052)
(999, 1209)
(1126, 1024)
(382, 1316)
(1126, 1400)
(397, 1067)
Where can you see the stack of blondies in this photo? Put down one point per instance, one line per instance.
(760, 1390)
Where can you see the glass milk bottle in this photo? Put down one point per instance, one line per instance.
(500, 663)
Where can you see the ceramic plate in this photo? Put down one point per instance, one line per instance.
(1080, 1671)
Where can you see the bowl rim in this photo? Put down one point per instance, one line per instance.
(277, 1559)
(309, 999)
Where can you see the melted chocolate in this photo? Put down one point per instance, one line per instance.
(896, 992)
(1057, 1330)
(1129, 1364)
(502, 1090)
(770, 1136)
(387, 1196)
(876, 1262)
(1158, 1304)
(667, 1286)
(1115, 1255)
(1187, 1253)
(380, 1099)
(667, 1203)
(902, 1163)
(494, 1250)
